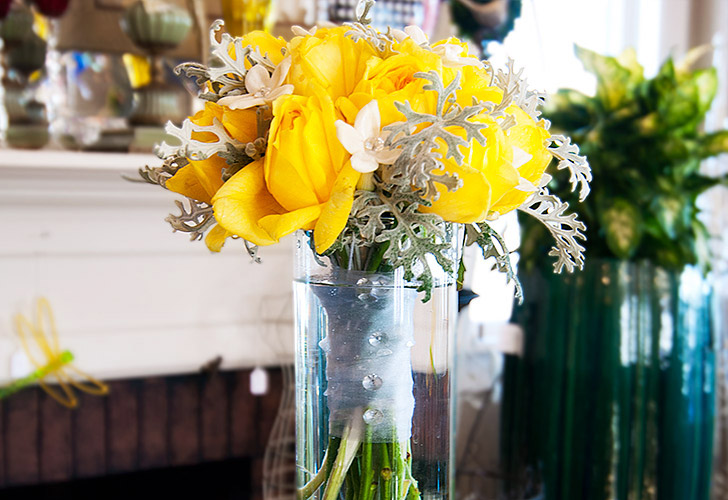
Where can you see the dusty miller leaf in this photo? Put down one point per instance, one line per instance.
(565, 228)
(193, 149)
(418, 160)
(195, 218)
(492, 245)
(568, 155)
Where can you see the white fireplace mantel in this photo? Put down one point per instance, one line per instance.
(130, 297)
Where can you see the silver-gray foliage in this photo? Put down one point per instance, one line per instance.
(565, 229)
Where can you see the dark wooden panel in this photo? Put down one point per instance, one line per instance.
(89, 436)
(122, 420)
(256, 479)
(214, 418)
(2, 444)
(268, 405)
(21, 438)
(56, 443)
(243, 442)
(184, 421)
(153, 451)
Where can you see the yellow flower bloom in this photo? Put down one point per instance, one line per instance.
(393, 80)
(304, 181)
(329, 60)
(530, 137)
(487, 175)
(265, 43)
(492, 174)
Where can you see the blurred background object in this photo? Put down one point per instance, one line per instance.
(55, 99)
(243, 16)
(156, 27)
(25, 119)
(485, 21)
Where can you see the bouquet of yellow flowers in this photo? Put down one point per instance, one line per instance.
(371, 143)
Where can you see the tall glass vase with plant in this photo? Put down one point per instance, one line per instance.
(638, 325)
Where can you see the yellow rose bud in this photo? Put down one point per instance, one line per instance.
(304, 181)
(329, 60)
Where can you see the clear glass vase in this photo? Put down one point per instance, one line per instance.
(374, 395)
(614, 396)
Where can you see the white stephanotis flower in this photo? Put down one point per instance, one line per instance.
(365, 141)
(452, 57)
(262, 87)
(301, 31)
(414, 32)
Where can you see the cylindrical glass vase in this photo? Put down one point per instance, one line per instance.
(374, 395)
(614, 395)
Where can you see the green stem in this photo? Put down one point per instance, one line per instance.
(399, 470)
(413, 493)
(316, 481)
(386, 473)
(375, 257)
(367, 485)
(347, 452)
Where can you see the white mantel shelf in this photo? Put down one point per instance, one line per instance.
(74, 160)
(131, 298)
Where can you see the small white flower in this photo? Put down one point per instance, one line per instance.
(414, 32)
(451, 55)
(365, 141)
(262, 87)
(300, 31)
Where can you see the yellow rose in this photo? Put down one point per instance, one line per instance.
(530, 137)
(304, 181)
(265, 43)
(487, 175)
(329, 60)
(491, 173)
(393, 80)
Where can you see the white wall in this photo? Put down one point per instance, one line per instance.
(130, 297)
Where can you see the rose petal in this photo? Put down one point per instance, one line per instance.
(364, 162)
(349, 137)
(367, 121)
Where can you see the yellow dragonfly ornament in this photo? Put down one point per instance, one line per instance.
(52, 364)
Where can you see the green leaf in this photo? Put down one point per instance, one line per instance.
(569, 109)
(696, 184)
(714, 144)
(628, 59)
(614, 82)
(623, 227)
(461, 274)
(706, 82)
(670, 211)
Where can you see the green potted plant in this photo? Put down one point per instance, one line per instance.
(614, 395)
